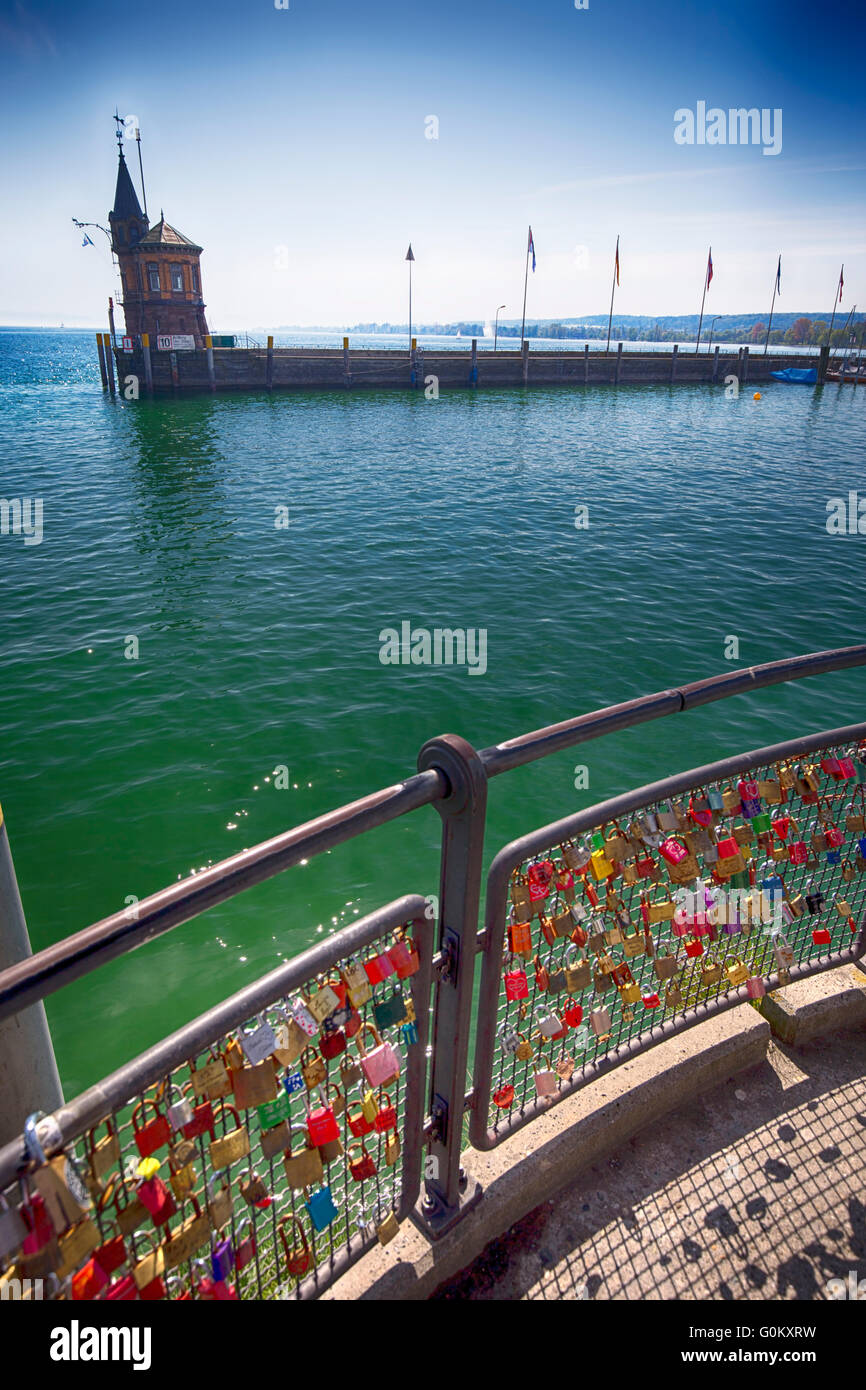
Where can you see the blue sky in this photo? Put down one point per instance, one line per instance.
(305, 129)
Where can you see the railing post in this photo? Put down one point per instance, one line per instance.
(28, 1071)
(463, 814)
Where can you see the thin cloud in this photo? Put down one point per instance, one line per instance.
(25, 35)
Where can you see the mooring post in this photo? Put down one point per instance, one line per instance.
(745, 365)
(586, 364)
(109, 361)
(412, 377)
(270, 368)
(463, 812)
(823, 361)
(175, 379)
(618, 361)
(28, 1071)
(148, 365)
(739, 366)
(715, 362)
(101, 351)
(525, 355)
(347, 371)
(208, 347)
(674, 362)
(473, 370)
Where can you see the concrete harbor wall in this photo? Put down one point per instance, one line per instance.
(261, 369)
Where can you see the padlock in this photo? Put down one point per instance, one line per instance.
(313, 1068)
(192, 1233)
(219, 1202)
(392, 1148)
(303, 1018)
(322, 1002)
(520, 938)
(630, 993)
(650, 997)
(404, 957)
(665, 966)
(322, 1126)
(297, 1254)
(212, 1080)
(516, 984)
(508, 1040)
(275, 1140)
(572, 1014)
(253, 1190)
(386, 1113)
(222, 1259)
(89, 1281)
(389, 1010)
(673, 996)
(523, 1052)
(183, 1180)
(578, 975)
(150, 1137)
(711, 973)
(545, 1079)
(694, 949)
(357, 984)
(303, 1167)
(245, 1249)
(815, 900)
(601, 1025)
(382, 1064)
(783, 952)
(737, 973)
(821, 936)
(256, 1085)
(389, 1228)
(321, 1209)
(504, 1097)
(755, 987)
(333, 1043)
(104, 1154)
(154, 1195)
(230, 1147)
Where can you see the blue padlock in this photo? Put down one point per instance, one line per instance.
(293, 1082)
(321, 1209)
(409, 1032)
(834, 856)
(862, 843)
(222, 1259)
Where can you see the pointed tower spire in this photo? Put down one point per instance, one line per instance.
(126, 202)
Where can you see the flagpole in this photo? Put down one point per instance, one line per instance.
(612, 288)
(835, 302)
(772, 302)
(410, 304)
(525, 285)
(703, 297)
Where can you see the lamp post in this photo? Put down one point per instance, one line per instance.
(712, 325)
(496, 329)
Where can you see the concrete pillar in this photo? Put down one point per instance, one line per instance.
(347, 371)
(473, 370)
(28, 1071)
(715, 362)
(524, 352)
(208, 347)
(739, 365)
(148, 366)
(674, 362)
(109, 361)
(101, 351)
(586, 364)
(618, 362)
(745, 365)
(270, 372)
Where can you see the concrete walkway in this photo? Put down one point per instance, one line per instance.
(753, 1191)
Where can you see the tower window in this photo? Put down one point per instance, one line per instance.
(153, 276)
(194, 273)
(176, 278)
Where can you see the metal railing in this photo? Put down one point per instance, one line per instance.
(433, 1098)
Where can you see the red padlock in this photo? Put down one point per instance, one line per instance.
(846, 767)
(155, 1196)
(202, 1122)
(150, 1137)
(504, 1097)
(520, 937)
(362, 1167)
(673, 851)
(358, 1123)
(694, 949)
(89, 1281)
(651, 999)
(831, 767)
(797, 852)
(378, 968)
(703, 817)
(404, 958)
(111, 1255)
(322, 1125)
(333, 1044)
(781, 826)
(645, 866)
(540, 874)
(835, 837)
(386, 1116)
(591, 894)
(573, 1014)
(516, 985)
(821, 936)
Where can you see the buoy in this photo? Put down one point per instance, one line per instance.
(757, 396)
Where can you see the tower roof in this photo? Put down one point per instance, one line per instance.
(161, 234)
(126, 202)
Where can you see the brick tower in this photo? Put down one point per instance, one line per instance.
(159, 269)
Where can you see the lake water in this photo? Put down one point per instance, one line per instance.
(258, 646)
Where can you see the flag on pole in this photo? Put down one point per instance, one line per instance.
(86, 241)
(409, 254)
(617, 260)
(779, 277)
(531, 247)
(841, 282)
(710, 268)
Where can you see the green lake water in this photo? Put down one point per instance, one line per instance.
(258, 646)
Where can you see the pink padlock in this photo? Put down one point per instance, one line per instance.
(673, 851)
(755, 987)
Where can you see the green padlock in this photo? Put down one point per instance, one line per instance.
(761, 823)
(389, 1011)
(274, 1111)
